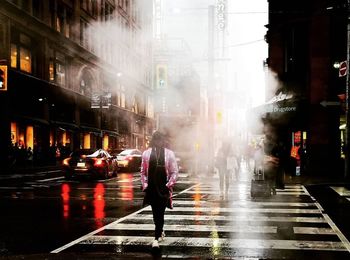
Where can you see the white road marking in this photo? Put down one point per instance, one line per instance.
(342, 191)
(246, 210)
(243, 218)
(341, 236)
(51, 179)
(91, 234)
(201, 228)
(312, 230)
(219, 243)
(247, 203)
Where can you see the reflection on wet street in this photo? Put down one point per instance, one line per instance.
(289, 224)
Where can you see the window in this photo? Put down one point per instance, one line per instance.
(85, 36)
(90, 6)
(57, 68)
(107, 12)
(61, 18)
(37, 9)
(122, 97)
(21, 54)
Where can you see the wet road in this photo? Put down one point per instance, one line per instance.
(40, 213)
(99, 219)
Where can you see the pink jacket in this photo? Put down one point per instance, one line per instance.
(170, 168)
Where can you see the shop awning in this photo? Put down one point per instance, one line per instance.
(111, 133)
(65, 125)
(282, 109)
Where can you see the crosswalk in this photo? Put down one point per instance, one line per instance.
(342, 191)
(289, 225)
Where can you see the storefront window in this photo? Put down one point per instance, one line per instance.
(13, 56)
(86, 142)
(105, 142)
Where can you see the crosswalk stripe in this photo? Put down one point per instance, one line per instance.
(248, 203)
(246, 210)
(311, 230)
(229, 228)
(249, 217)
(219, 243)
(234, 218)
(242, 192)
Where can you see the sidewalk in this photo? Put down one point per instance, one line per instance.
(29, 170)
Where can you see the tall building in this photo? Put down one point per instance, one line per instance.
(79, 75)
(306, 38)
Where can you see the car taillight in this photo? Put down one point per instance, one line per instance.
(66, 162)
(98, 162)
(129, 158)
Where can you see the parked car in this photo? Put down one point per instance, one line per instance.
(130, 159)
(95, 163)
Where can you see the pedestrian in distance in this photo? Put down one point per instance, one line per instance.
(159, 172)
(30, 157)
(232, 169)
(221, 165)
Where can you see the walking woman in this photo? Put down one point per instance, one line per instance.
(159, 173)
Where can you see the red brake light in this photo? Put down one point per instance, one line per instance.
(98, 162)
(66, 162)
(129, 158)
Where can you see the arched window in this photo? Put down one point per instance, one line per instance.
(86, 83)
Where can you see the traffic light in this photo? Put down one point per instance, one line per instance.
(3, 77)
(219, 117)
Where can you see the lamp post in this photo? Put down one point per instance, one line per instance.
(211, 118)
(347, 114)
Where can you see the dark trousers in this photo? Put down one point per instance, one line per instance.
(158, 210)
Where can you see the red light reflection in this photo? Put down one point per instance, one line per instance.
(65, 198)
(127, 188)
(99, 204)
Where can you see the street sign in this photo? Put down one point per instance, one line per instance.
(95, 100)
(330, 103)
(343, 68)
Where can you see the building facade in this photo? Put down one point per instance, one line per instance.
(79, 76)
(305, 112)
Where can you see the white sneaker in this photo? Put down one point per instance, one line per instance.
(155, 243)
(162, 237)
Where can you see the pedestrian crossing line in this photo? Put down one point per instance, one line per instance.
(341, 236)
(201, 228)
(342, 191)
(91, 234)
(312, 230)
(242, 192)
(247, 203)
(243, 218)
(217, 242)
(246, 210)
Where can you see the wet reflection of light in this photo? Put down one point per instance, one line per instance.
(197, 202)
(65, 198)
(242, 192)
(118, 246)
(197, 196)
(99, 204)
(127, 188)
(216, 242)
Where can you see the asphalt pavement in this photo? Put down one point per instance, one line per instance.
(332, 196)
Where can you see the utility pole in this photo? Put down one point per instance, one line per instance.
(211, 118)
(347, 114)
